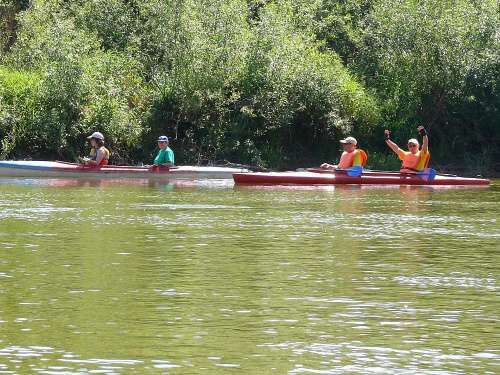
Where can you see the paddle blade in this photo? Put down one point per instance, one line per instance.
(355, 171)
(427, 174)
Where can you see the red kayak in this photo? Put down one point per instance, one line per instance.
(341, 177)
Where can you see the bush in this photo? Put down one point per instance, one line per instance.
(80, 89)
(272, 83)
(436, 63)
(295, 95)
(19, 103)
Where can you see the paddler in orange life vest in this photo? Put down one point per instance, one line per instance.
(414, 160)
(99, 155)
(351, 156)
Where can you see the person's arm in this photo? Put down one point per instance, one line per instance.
(328, 166)
(394, 147)
(425, 139)
(85, 159)
(100, 155)
(169, 158)
(157, 160)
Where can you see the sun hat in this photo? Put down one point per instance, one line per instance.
(413, 141)
(96, 135)
(349, 140)
(163, 138)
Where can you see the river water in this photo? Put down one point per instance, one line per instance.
(204, 277)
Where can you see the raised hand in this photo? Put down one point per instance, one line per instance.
(421, 131)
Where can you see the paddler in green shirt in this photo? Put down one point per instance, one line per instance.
(165, 157)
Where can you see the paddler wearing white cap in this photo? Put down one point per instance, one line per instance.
(99, 155)
(351, 157)
(414, 160)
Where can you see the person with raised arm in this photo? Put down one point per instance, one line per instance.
(414, 160)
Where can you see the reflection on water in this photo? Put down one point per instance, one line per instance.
(79, 182)
(199, 276)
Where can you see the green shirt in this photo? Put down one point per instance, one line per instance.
(164, 156)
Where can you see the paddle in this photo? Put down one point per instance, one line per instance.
(354, 171)
(427, 174)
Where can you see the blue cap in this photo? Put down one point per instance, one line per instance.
(163, 138)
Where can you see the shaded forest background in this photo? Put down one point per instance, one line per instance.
(273, 83)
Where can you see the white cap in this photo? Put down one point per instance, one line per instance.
(349, 140)
(96, 135)
(413, 141)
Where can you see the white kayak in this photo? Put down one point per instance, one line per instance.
(59, 169)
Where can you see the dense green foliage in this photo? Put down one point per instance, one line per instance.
(264, 82)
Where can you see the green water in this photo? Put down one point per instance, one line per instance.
(203, 277)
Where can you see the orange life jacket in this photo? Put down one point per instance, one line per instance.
(93, 155)
(413, 162)
(347, 158)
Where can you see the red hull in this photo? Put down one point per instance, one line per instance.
(342, 178)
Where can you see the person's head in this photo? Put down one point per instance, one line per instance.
(96, 139)
(163, 142)
(349, 144)
(413, 145)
